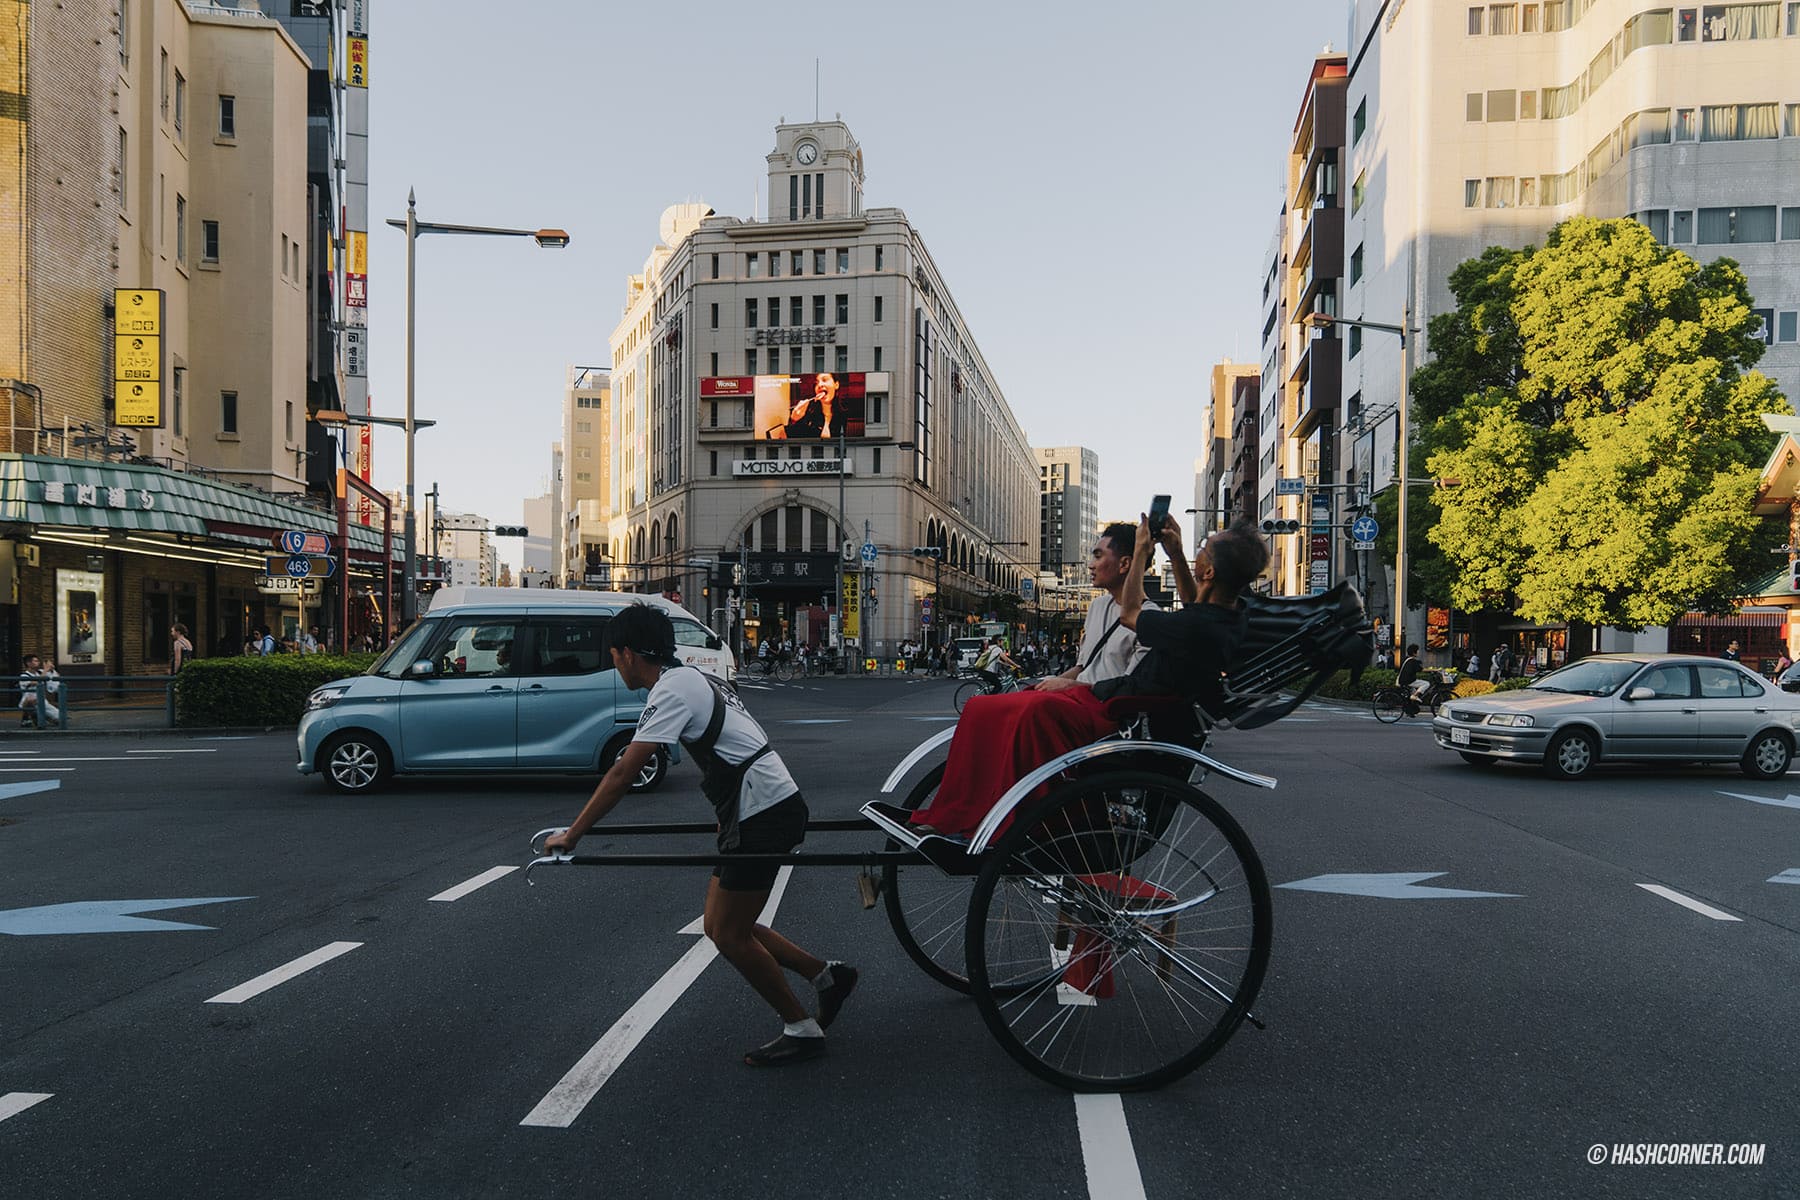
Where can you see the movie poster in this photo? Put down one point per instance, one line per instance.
(80, 617)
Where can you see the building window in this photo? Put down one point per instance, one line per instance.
(1503, 105)
(715, 266)
(1528, 18)
(228, 116)
(798, 265)
(1790, 224)
(714, 461)
(1472, 106)
(805, 195)
(1358, 192)
(180, 103)
(715, 316)
(1793, 20)
(775, 312)
(1527, 192)
(878, 358)
(1355, 340)
(713, 370)
(1681, 227)
(1360, 122)
(793, 197)
(1471, 193)
(753, 266)
(125, 33)
(818, 310)
(1528, 106)
(1499, 191)
(841, 360)
(1787, 327)
(1684, 125)
(289, 422)
(1475, 22)
(750, 313)
(879, 255)
(228, 412)
(795, 361)
(843, 309)
(162, 84)
(774, 264)
(180, 228)
(1656, 220)
(1356, 264)
(124, 169)
(1736, 226)
(843, 260)
(797, 310)
(1765, 329)
(878, 310)
(175, 400)
(284, 256)
(1686, 23)
(875, 468)
(1503, 18)
(818, 357)
(750, 360)
(209, 241)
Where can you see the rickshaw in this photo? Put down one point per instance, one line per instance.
(1110, 919)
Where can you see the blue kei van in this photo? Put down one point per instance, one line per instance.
(497, 681)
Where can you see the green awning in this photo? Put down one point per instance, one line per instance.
(77, 493)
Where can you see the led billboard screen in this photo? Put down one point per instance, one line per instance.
(796, 407)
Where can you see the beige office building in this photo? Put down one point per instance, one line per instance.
(724, 442)
(585, 481)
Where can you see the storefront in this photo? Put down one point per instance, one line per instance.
(98, 561)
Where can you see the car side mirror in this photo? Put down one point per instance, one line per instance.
(423, 669)
(1641, 693)
(713, 643)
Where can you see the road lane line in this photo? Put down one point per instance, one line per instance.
(282, 974)
(1112, 1169)
(171, 752)
(468, 885)
(100, 758)
(1704, 910)
(14, 1103)
(31, 770)
(564, 1102)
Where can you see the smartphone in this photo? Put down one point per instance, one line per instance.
(1159, 512)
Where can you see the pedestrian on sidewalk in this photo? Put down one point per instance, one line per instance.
(38, 684)
(180, 649)
(760, 811)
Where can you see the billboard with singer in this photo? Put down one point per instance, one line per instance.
(797, 407)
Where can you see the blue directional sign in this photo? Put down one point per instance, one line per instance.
(1365, 528)
(869, 552)
(1027, 589)
(299, 566)
(100, 916)
(1392, 885)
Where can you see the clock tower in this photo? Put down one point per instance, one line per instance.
(815, 173)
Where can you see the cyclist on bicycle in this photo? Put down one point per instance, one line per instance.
(1409, 680)
(992, 657)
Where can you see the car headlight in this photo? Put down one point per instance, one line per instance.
(324, 698)
(1516, 720)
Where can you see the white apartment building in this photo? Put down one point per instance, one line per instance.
(733, 336)
(1478, 125)
(467, 550)
(1068, 511)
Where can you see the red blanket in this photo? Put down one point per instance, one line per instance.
(999, 740)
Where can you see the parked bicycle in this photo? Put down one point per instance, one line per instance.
(1392, 703)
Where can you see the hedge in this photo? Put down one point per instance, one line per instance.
(216, 692)
(1339, 687)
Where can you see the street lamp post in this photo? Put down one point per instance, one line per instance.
(1402, 476)
(550, 239)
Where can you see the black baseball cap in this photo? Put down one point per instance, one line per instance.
(645, 631)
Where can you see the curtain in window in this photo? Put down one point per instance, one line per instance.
(1743, 21)
(1655, 28)
(1756, 224)
(1648, 128)
(1719, 123)
(1715, 226)
(1556, 16)
(1503, 18)
(1600, 68)
(1759, 121)
(1561, 101)
(1557, 189)
(1791, 122)
(1500, 191)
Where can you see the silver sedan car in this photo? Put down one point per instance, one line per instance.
(1629, 707)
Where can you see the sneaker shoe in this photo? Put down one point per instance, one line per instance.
(843, 982)
(784, 1050)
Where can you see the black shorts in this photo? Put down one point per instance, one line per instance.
(772, 831)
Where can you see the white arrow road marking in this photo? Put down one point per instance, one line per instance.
(1112, 1169)
(1791, 875)
(468, 885)
(280, 975)
(564, 1102)
(9, 790)
(14, 1103)
(1791, 802)
(1392, 885)
(1705, 910)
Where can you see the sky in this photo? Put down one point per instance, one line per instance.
(1099, 185)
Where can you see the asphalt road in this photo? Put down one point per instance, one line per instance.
(1468, 1046)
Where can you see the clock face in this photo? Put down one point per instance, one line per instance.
(808, 153)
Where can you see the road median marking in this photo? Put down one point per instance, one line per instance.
(468, 885)
(1106, 1149)
(565, 1102)
(281, 974)
(1674, 897)
(14, 1103)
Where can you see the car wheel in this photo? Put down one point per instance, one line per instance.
(355, 762)
(1572, 754)
(650, 775)
(1769, 756)
(1478, 760)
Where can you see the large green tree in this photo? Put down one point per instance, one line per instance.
(1595, 400)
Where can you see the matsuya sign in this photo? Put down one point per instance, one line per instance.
(792, 466)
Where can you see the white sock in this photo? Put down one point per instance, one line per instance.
(808, 1028)
(823, 979)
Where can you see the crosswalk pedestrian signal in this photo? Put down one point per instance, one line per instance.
(1280, 526)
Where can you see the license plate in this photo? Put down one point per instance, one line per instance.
(1459, 737)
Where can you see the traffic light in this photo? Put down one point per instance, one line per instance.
(511, 531)
(1280, 526)
(928, 551)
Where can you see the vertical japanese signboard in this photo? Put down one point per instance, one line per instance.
(137, 357)
(365, 454)
(355, 215)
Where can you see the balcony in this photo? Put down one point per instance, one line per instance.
(1318, 383)
(1319, 257)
